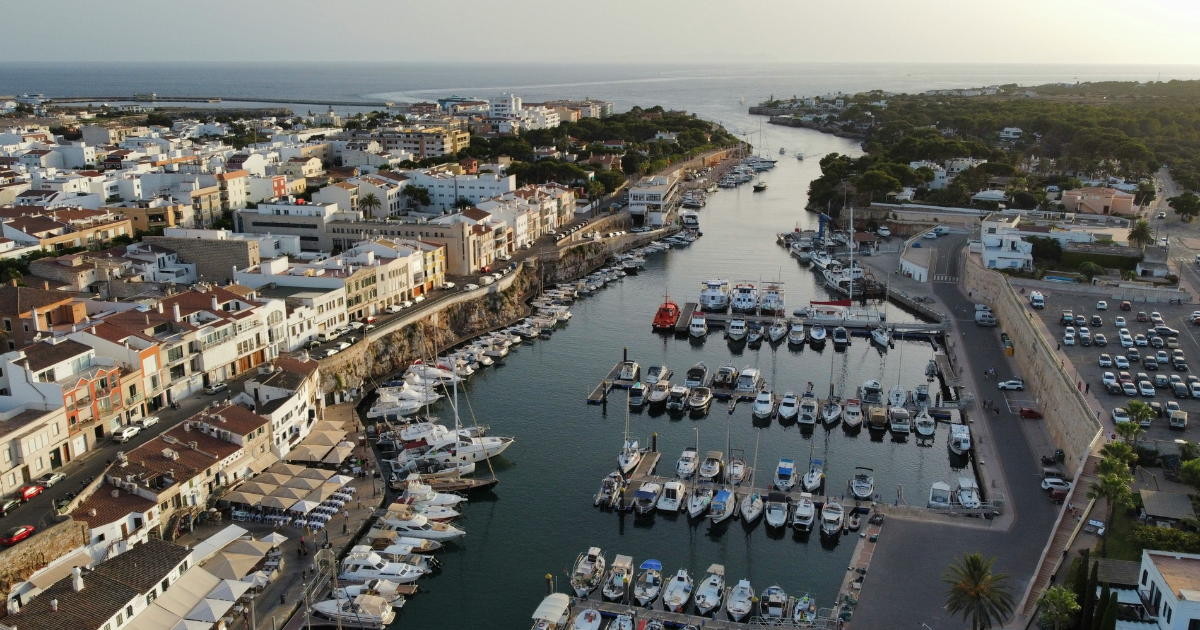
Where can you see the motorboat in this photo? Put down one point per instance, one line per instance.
(678, 592)
(726, 377)
(804, 613)
(588, 572)
(831, 411)
(637, 395)
(773, 605)
(862, 485)
(711, 591)
(754, 333)
(736, 471)
(590, 619)
(771, 300)
(367, 611)
(745, 298)
(749, 380)
(968, 493)
(712, 466)
(645, 500)
(924, 424)
(418, 492)
(659, 393)
(775, 509)
(655, 373)
(841, 338)
(881, 337)
(649, 583)
(785, 474)
(629, 371)
(672, 497)
(796, 334)
(854, 523)
(789, 406)
(723, 505)
(410, 524)
(939, 495)
(620, 576)
(435, 513)
(883, 231)
(808, 409)
(698, 326)
(960, 439)
(760, 186)
(852, 414)
(630, 456)
(777, 331)
(610, 490)
(751, 507)
(388, 590)
(931, 369)
(833, 518)
(363, 566)
(677, 398)
(739, 601)
(697, 375)
(872, 392)
(667, 315)
(552, 613)
(817, 335)
(920, 396)
(764, 405)
(699, 501)
(897, 396)
(737, 329)
(805, 514)
(877, 418)
(688, 462)
(623, 621)
(899, 420)
(700, 400)
(714, 296)
(815, 476)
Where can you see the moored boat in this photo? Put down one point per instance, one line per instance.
(678, 592)
(667, 316)
(833, 517)
(862, 485)
(649, 583)
(775, 509)
(588, 571)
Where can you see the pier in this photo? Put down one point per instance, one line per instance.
(685, 318)
(719, 621)
(643, 473)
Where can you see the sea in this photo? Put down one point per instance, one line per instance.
(541, 516)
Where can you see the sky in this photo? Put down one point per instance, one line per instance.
(630, 31)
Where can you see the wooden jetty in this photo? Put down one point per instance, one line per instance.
(600, 394)
(681, 620)
(722, 320)
(643, 473)
(685, 318)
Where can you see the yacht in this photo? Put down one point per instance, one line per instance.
(711, 591)
(924, 424)
(852, 414)
(677, 398)
(808, 409)
(362, 566)
(777, 331)
(620, 576)
(831, 411)
(589, 570)
(658, 393)
(366, 611)
(657, 373)
(802, 249)
(785, 474)
(841, 338)
(745, 298)
(968, 493)
(833, 518)
(696, 376)
(690, 220)
(789, 406)
(815, 476)
(637, 395)
(698, 327)
(712, 466)
(899, 420)
(629, 371)
(740, 601)
(630, 456)
(897, 396)
(645, 500)
(805, 515)
(672, 497)
(771, 302)
(736, 471)
(960, 439)
(776, 509)
(737, 328)
(714, 297)
(723, 505)
(688, 462)
(796, 334)
(764, 405)
(872, 392)
(726, 377)
(610, 490)
(749, 380)
(939, 495)
(862, 486)
(385, 589)
(649, 584)
(751, 507)
(817, 335)
(773, 605)
(700, 401)
(678, 592)
(699, 501)
(413, 525)
(880, 337)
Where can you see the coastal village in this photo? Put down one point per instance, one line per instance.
(225, 331)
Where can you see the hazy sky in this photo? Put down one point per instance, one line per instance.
(999, 31)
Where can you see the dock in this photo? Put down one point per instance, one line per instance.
(904, 328)
(599, 395)
(685, 318)
(643, 473)
(720, 621)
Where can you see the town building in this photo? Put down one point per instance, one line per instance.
(1094, 200)
(652, 199)
(33, 441)
(1169, 589)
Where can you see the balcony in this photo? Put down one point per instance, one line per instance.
(212, 344)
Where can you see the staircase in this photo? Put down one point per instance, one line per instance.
(1064, 535)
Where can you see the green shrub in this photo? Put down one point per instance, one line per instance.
(1165, 539)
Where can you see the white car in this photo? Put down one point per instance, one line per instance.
(418, 299)
(49, 479)
(1120, 415)
(1101, 305)
(1069, 338)
(1108, 378)
(1013, 384)
(342, 345)
(148, 421)
(470, 287)
(1119, 322)
(1141, 340)
(450, 285)
(1052, 483)
(1126, 340)
(931, 235)
(124, 434)
(215, 388)
(1146, 388)
(1195, 387)
(330, 352)
(395, 308)
(1121, 362)
(1105, 360)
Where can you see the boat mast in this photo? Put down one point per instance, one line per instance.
(757, 439)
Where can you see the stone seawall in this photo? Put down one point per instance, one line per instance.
(1072, 423)
(18, 562)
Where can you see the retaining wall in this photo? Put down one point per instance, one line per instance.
(1133, 293)
(18, 562)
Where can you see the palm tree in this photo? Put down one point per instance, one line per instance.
(1058, 605)
(1141, 234)
(1114, 488)
(1130, 431)
(1120, 451)
(370, 203)
(977, 593)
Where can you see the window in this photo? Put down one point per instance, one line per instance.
(47, 376)
(129, 611)
(100, 538)
(166, 583)
(1144, 574)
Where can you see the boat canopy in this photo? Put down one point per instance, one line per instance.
(722, 497)
(651, 564)
(643, 494)
(553, 607)
(817, 462)
(717, 455)
(623, 561)
(717, 569)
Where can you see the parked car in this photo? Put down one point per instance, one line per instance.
(1120, 415)
(1133, 355)
(1055, 484)
(1013, 384)
(1142, 316)
(1031, 413)
(216, 388)
(1129, 389)
(1180, 390)
(470, 287)
(1146, 388)
(342, 345)
(1108, 377)
(49, 479)
(1126, 306)
(1119, 322)
(1100, 340)
(148, 421)
(1097, 320)
(1105, 360)
(1101, 305)
(28, 491)
(1121, 362)
(16, 535)
(330, 352)
(8, 505)
(450, 285)
(124, 434)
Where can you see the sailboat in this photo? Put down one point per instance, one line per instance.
(815, 475)
(466, 449)
(631, 452)
(897, 396)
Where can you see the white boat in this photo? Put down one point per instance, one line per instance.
(805, 514)
(610, 490)
(737, 329)
(751, 507)
(386, 589)
(920, 396)
(968, 493)
(883, 231)
(841, 338)
(588, 571)
(418, 492)
(736, 471)
(924, 424)
(815, 476)
(659, 393)
(754, 333)
(785, 474)
(698, 327)
(789, 406)
(775, 510)
(645, 500)
(745, 298)
(649, 583)
(711, 591)
(939, 495)
(852, 414)
(796, 334)
(699, 501)
(817, 335)
(899, 420)
(360, 567)
(764, 405)
(805, 611)
(410, 524)
(749, 380)
(771, 300)
(714, 297)
(773, 605)
(366, 611)
(678, 592)
(677, 398)
(777, 331)
(697, 375)
(960, 439)
(688, 461)
(723, 505)
(862, 485)
(831, 411)
(435, 513)
(655, 373)
(897, 396)
(552, 613)
(630, 456)
(699, 401)
(872, 392)
(880, 337)
(712, 466)
(740, 601)
(833, 517)
(726, 377)
(623, 621)
(590, 619)
(672, 497)
(430, 373)
(620, 576)
(629, 371)
(470, 449)
(808, 409)
(637, 395)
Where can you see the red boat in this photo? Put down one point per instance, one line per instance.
(666, 316)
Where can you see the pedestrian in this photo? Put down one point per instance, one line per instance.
(1060, 363)
(360, 502)
(346, 513)
(1087, 388)
(1058, 346)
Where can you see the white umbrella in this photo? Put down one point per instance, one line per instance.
(229, 590)
(192, 624)
(304, 507)
(210, 610)
(341, 480)
(274, 538)
(258, 578)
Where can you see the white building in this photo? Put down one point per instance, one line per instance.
(445, 188)
(652, 199)
(1010, 133)
(1169, 589)
(504, 106)
(939, 173)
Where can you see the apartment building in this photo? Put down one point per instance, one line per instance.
(216, 252)
(97, 135)
(231, 186)
(344, 194)
(309, 310)
(26, 311)
(33, 441)
(652, 199)
(67, 229)
(388, 190)
(1096, 200)
(446, 188)
(363, 275)
(306, 220)
(425, 142)
(302, 167)
(259, 189)
(288, 395)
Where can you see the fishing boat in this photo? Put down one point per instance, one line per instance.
(657, 373)
(588, 571)
(808, 409)
(785, 474)
(852, 414)
(764, 405)
(737, 328)
(817, 335)
(590, 619)
(939, 495)
(815, 476)
(771, 300)
(645, 500)
(678, 592)
(749, 380)
(833, 517)
(714, 296)
(711, 591)
(699, 501)
(960, 439)
(699, 401)
(968, 493)
(805, 515)
(841, 338)
(831, 411)
(872, 392)
(712, 466)
(881, 337)
(698, 326)
(667, 315)
(620, 576)
(367, 611)
(637, 395)
(773, 606)
(696, 376)
(924, 424)
(610, 490)
(671, 498)
(751, 507)
(796, 334)
(776, 509)
(723, 505)
(899, 420)
(862, 485)
(805, 612)
(740, 601)
(726, 377)
(789, 406)
(649, 583)
(745, 298)
(777, 331)
(677, 398)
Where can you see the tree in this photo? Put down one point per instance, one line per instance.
(1119, 451)
(462, 203)
(417, 194)
(1081, 574)
(1091, 270)
(1109, 621)
(1130, 431)
(1101, 605)
(1189, 473)
(1141, 234)
(1089, 596)
(594, 189)
(1187, 205)
(370, 203)
(877, 183)
(1058, 606)
(1188, 450)
(1046, 248)
(1115, 490)
(978, 594)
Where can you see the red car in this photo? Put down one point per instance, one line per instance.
(16, 535)
(1142, 316)
(1126, 306)
(29, 491)
(1031, 413)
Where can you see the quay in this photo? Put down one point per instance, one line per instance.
(683, 620)
(611, 381)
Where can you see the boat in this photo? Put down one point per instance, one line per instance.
(749, 380)
(968, 493)
(745, 298)
(782, 151)
(920, 396)
(764, 405)
(659, 393)
(805, 611)
(360, 566)
(808, 409)
(588, 571)
(796, 334)
(688, 462)
(672, 497)
(726, 377)
(667, 316)
(897, 396)
(645, 500)
(723, 505)
(817, 335)
(696, 376)
(877, 418)
(610, 490)
(854, 523)
(630, 456)
(841, 338)
(776, 509)
(737, 329)
(760, 186)
(831, 411)
(590, 619)
(366, 611)
(700, 400)
(852, 414)
(714, 296)
(789, 406)
(629, 371)
(814, 477)
(754, 333)
(751, 507)
(649, 584)
(883, 231)
(960, 439)
(419, 492)
(785, 474)
(688, 219)
(805, 515)
(677, 398)
(711, 591)
(833, 517)
(388, 590)
(740, 601)
(710, 469)
(777, 331)
(736, 471)
(872, 392)
(899, 420)
(939, 495)
(657, 373)
(620, 576)
(637, 395)
(771, 301)
(410, 524)
(699, 501)
(880, 337)
(773, 606)
(678, 592)
(862, 485)
(623, 621)
(924, 424)
(931, 369)
(698, 327)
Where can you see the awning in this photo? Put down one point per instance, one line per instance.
(307, 453)
(324, 492)
(258, 578)
(304, 507)
(303, 483)
(210, 610)
(290, 493)
(257, 487)
(211, 545)
(186, 592)
(341, 480)
(245, 498)
(263, 462)
(316, 473)
(553, 607)
(231, 566)
(338, 454)
(229, 590)
(190, 624)
(290, 470)
(272, 478)
(274, 538)
(323, 438)
(153, 618)
(281, 503)
(248, 548)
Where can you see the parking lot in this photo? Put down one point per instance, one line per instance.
(1086, 359)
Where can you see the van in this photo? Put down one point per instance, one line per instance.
(985, 318)
(328, 335)
(983, 308)
(1177, 420)
(941, 230)
(1036, 300)
(486, 280)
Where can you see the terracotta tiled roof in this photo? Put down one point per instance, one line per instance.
(110, 509)
(19, 300)
(231, 418)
